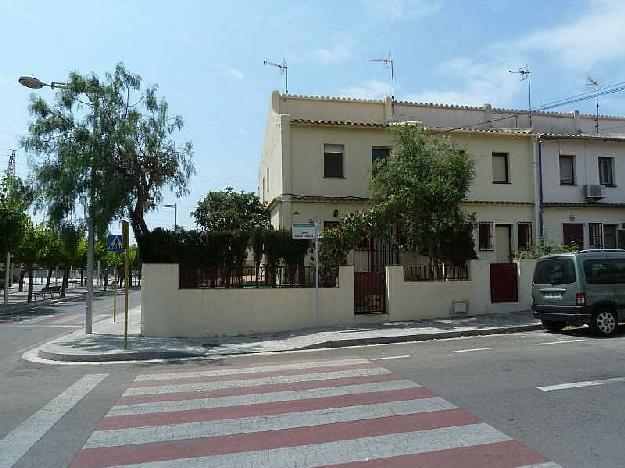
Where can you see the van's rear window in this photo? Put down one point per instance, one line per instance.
(555, 271)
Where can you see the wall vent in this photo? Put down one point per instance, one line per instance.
(459, 308)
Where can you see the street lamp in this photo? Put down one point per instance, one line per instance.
(35, 83)
(175, 207)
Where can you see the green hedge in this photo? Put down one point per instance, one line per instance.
(210, 248)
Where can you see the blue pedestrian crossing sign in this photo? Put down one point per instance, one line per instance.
(114, 243)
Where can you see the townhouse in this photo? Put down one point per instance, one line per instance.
(546, 175)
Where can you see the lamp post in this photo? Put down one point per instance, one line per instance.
(175, 207)
(35, 83)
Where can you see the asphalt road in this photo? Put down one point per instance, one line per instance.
(496, 378)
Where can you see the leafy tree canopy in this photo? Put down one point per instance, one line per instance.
(108, 145)
(14, 200)
(231, 211)
(415, 198)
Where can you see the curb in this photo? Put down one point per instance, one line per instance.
(332, 344)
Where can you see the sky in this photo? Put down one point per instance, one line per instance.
(207, 59)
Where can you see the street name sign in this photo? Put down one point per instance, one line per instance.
(303, 231)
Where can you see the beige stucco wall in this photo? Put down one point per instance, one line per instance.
(273, 169)
(554, 217)
(169, 311)
(416, 300)
(586, 169)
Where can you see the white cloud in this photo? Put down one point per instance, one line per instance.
(596, 36)
(340, 51)
(395, 10)
(234, 72)
(480, 82)
(372, 89)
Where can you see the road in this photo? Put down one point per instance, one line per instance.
(517, 399)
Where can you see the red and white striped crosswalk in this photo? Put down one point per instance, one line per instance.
(348, 412)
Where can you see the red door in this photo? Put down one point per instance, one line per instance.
(504, 282)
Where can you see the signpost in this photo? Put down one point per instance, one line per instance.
(309, 231)
(125, 232)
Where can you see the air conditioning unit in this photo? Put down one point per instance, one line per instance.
(594, 192)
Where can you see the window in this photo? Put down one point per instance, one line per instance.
(567, 169)
(485, 236)
(609, 236)
(618, 271)
(333, 161)
(524, 236)
(330, 224)
(555, 271)
(379, 156)
(597, 271)
(606, 171)
(595, 236)
(573, 234)
(500, 168)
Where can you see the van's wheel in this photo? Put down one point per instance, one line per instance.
(553, 325)
(604, 322)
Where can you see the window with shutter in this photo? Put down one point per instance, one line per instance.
(609, 236)
(524, 236)
(606, 171)
(567, 169)
(485, 236)
(379, 156)
(333, 161)
(500, 168)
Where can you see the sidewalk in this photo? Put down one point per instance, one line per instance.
(18, 301)
(106, 343)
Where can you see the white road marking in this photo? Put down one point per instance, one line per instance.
(196, 430)
(345, 451)
(585, 383)
(388, 358)
(46, 326)
(471, 350)
(23, 437)
(559, 342)
(256, 399)
(214, 385)
(250, 370)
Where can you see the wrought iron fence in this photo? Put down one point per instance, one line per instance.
(442, 272)
(264, 276)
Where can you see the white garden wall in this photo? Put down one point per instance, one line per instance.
(170, 311)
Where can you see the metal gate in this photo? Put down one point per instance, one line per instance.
(370, 261)
(504, 285)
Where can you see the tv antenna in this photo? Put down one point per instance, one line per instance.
(389, 62)
(284, 69)
(524, 73)
(595, 84)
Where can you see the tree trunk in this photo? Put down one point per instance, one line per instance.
(65, 280)
(82, 276)
(49, 277)
(139, 226)
(106, 279)
(30, 283)
(20, 287)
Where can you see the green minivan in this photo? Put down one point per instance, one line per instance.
(583, 287)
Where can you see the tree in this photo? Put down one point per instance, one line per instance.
(13, 217)
(108, 146)
(231, 211)
(30, 251)
(420, 188)
(415, 200)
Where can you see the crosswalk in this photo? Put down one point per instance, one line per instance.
(347, 412)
